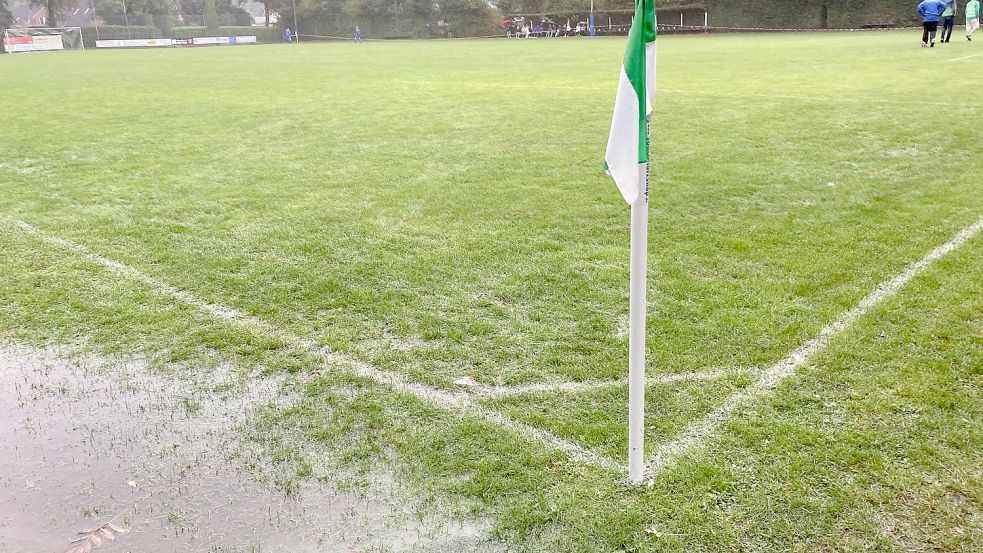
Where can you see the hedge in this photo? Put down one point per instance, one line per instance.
(262, 34)
(113, 32)
(807, 14)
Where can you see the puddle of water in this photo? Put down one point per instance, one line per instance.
(83, 442)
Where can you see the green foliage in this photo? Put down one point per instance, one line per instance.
(807, 14)
(56, 9)
(138, 12)
(399, 18)
(383, 18)
(272, 6)
(193, 13)
(5, 16)
(211, 16)
(262, 34)
(116, 32)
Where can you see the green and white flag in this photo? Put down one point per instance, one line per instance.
(627, 156)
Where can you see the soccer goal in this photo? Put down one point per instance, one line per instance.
(41, 39)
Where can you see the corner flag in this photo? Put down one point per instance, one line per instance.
(627, 161)
(628, 150)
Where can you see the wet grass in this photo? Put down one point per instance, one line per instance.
(438, 210)
(873, 446)
(596, 418)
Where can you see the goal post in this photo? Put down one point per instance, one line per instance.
(42, 39)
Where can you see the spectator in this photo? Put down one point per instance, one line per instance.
(931, 12)
(287, 36)
(972, 18)
(947, 20)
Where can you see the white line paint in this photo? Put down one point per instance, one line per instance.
(547, 387)
(541, 435)
(966, 58)
(454, 401)
(700, 431)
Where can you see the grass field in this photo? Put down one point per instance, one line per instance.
(437, 211)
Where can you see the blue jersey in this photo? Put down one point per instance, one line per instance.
(931, 10)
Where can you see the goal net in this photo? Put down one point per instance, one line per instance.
(40, 39)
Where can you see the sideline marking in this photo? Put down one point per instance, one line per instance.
(697, 433)
(451, 401)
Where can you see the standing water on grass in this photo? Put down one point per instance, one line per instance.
(90, 443)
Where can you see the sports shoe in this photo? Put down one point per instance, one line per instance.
(933, 44)
(969, 38)
(925, 44)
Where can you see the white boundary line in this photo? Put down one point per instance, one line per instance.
(503, 391)
(698, 433)
(452, 401)
(966, 58)
(667, 453)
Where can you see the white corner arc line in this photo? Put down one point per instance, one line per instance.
(697, 433)
(547, 387)
(452, 401)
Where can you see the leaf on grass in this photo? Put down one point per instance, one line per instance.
(116, 529)
(92, 538)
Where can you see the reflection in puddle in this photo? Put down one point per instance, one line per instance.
(84, 442)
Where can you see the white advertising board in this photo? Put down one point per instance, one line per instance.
(37, 43)
(134, 43)
(202, 40)
(219, 40)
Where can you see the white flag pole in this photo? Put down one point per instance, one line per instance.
(636, 330)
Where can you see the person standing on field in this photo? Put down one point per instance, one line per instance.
(287, 36)
(358, 34)
(948, 17)
(972, 18)
(931, 12)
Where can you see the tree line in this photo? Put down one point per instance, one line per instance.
(418, 18)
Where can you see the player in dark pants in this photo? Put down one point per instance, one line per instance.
(948, 16)
(929, 28)
(931, 12)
